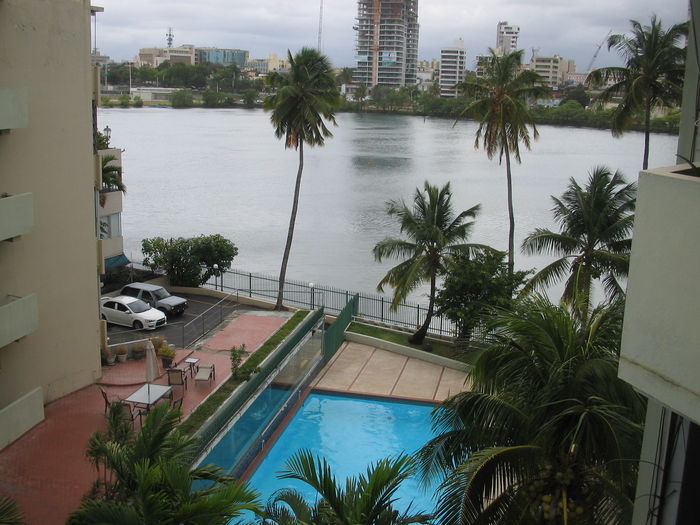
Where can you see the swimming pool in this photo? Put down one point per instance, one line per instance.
(351, 432)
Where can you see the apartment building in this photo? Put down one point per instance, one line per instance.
(387, 42)
(453, 63)
(506, 38)
(660, 353)
(50, 256)
(553, 69)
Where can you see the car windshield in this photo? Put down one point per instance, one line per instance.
(138, 306)
(161, 293)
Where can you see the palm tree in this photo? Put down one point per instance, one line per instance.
(367, 499)
(147, 477)
(548, 434)
(434, 234)
(299, 108)
(111, 178)
(9, 511)
(594, 238)
(503, 115)
(652, 76)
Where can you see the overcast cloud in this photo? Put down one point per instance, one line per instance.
(570, 28)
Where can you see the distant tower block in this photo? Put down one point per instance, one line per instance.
(169, 37)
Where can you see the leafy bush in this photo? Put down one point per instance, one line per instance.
(182, 99)
(106, 101)
(124, 100)
(189, 262)
(138, 102)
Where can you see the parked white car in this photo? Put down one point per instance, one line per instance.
(131, 312)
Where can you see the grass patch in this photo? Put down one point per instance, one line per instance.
(440, 348)
(213, 402)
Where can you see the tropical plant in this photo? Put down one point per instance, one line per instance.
(148, 477)
(124, 100)
(475, 284)
(548, 432)
(367, 499)
(435, 235)
(138, 102)
(111, 175)
(501, 109)
(307, 97)
(594, 237)
(9, 511)
(249, 95)
(652, 75)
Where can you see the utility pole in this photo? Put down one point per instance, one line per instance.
(320, 26)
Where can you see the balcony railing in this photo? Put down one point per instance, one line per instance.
(16, 215)
(19, 316)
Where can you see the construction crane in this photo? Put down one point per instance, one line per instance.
(595, 55)
(320, 25)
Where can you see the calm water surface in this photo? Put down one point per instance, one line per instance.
(206, 171)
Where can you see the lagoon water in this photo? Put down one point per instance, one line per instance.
(203, 171)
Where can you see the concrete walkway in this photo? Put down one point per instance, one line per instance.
(362, 369)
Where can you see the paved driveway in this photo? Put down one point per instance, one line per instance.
(201, 316)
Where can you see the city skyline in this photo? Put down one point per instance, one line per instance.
(554, 26)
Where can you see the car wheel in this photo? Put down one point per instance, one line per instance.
(138, 325)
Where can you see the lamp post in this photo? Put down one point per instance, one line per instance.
(216, 275)
(107, 132)
(311, 286)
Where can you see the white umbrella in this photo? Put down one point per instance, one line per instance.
(151, 367)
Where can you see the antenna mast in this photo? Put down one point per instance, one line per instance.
(320, 26)
(169, 36)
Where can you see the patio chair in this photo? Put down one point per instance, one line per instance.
(106, 399)
(205, 373)
(177, 405)
(176, 376)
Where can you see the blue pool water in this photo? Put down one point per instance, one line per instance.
(351, 432)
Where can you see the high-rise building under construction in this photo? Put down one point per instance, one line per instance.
(387, 42)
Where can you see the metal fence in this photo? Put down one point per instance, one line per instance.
(372, 307)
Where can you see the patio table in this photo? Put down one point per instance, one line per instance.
(148, 395)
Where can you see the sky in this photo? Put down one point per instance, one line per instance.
(571, 28)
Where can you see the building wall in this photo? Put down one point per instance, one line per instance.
(506, 38)
(45, 50)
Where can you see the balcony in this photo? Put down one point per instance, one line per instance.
(660, 354)
(16, 215)
(19, 316)
(13, 108)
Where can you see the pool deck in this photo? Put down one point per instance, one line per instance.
(362, 369)
(46, 470)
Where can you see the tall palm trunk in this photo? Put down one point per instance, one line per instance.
(511, 215)
(290, 232)
(647, 126)
(419, 336)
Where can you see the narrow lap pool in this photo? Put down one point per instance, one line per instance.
(351, 432)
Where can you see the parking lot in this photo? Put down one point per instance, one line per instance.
(202, 315)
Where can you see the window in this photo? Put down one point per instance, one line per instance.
(110, 226)
(131, 292)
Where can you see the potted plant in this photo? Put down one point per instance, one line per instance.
(138, 351)
(122, 353)
(108, 356)
(167, 354)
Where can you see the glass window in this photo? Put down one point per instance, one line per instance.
(110, 225)
(139, 306)
(131, 292)
(161, 293)
(122, 308)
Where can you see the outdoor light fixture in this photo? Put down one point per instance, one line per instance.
(107, 132)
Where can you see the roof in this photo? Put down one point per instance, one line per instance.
(144, 286)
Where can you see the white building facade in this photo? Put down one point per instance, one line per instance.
(453, 63)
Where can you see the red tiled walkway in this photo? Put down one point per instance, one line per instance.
(46, 470)
(248, 329)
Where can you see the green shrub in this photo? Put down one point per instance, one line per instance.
(182, 99)
(124, 100)
(105, 101)
(138, 102)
